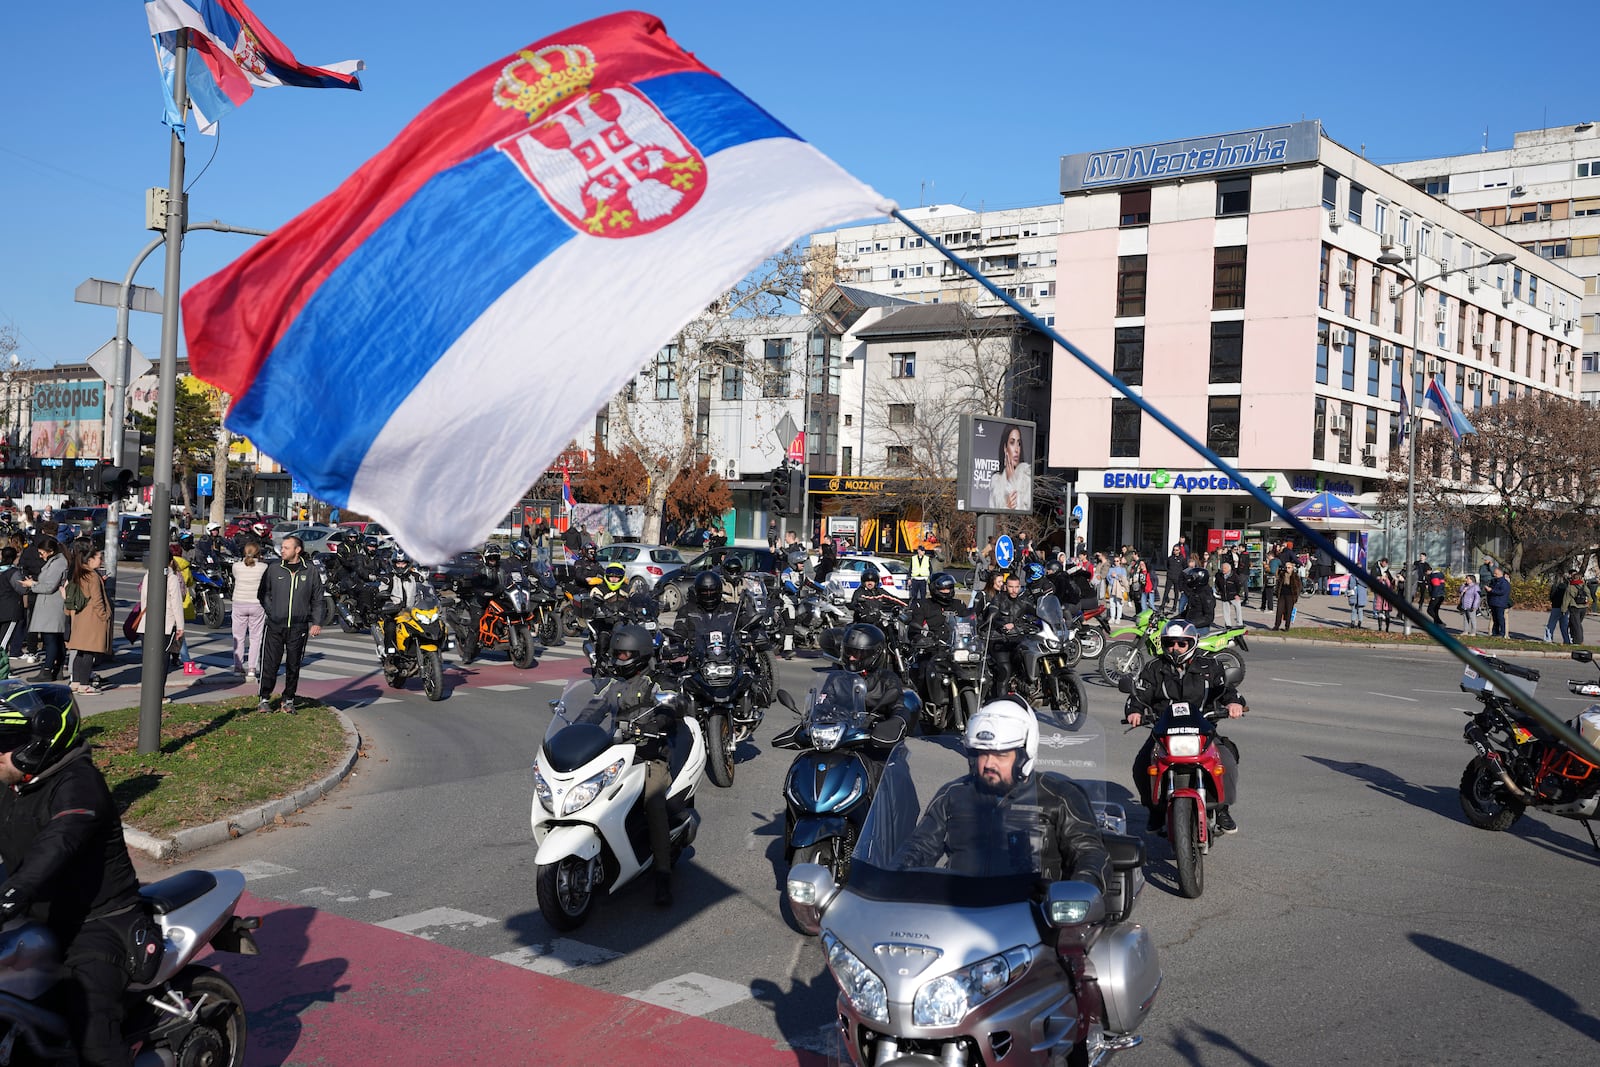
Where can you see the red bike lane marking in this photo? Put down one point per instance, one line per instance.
(327, 989)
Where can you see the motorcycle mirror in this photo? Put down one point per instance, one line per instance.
(1125, 683)
(787, 701)
(1583, 655)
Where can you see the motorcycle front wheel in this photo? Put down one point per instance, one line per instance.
(565, 898)
(522, 651)
(1092, 640)
(719, 749)
(1183, 825)
(218, 1037)
(1072, 651)
(1483, 800)
(433, 674)
(966, 708)
(1069, 697)
(1122, 658)
(832, 853)
(215, 613)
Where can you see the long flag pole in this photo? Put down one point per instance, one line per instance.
(1549, 719)
(153, 679)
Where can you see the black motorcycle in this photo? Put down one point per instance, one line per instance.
(949, 675)
(720, 682)
(1520, 764)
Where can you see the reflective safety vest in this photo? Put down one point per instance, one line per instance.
(921, 568)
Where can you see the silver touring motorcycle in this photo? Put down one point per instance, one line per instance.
(981, 959)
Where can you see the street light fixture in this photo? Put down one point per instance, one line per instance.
(1397, 261)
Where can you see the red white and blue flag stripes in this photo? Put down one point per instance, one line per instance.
(423, 342)
(567, 499)
(230, 54)
(1449, 414)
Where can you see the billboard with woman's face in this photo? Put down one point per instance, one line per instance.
(996, 460)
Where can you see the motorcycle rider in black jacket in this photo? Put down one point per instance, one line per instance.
(1183, 673)
(1006, 621)
(62, 840)
(704, 601)
(638, 692)
(1201, 610)
(861, 651)
(872, 604)
(985, 821)
(928, 614)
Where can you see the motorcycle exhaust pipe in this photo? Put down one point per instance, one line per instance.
(1509, 784)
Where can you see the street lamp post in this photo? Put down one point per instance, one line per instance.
(1395, 260)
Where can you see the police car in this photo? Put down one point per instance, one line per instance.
(893, 576)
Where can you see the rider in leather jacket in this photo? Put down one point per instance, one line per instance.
(928, 614)
(401, 590)
(1182, 673)
(1007, 620)
(628, 663)
(861, 652)
(985, 821)
(872, 604)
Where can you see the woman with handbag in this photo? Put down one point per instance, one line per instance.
(174, 623)
(84, 596)
(49, 618)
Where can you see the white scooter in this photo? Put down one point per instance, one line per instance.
(588, 807)
(183, 1014)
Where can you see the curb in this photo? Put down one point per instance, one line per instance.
(1367, 646)
(214, 833)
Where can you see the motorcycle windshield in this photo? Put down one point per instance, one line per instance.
(714, 638)
(643, 608)
(585, 702)
(544, 575)
(964, 636)
(837, 707)
(425, 598)
(1049, 609)
(937, 834)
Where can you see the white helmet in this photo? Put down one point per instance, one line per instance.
(1001, 726)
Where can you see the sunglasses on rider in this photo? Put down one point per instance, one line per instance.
(1179, 643)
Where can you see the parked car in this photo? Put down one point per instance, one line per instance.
(133, 540)
(303, 530)
(672, 588)
(313, 539)
(459, 565)
(645, 564)
(893, 575)
(243, 521)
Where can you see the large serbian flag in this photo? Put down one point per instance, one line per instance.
(421, 344)
(230, 53)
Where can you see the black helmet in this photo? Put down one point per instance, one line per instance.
(38, 725)
(1196, 578)
(491, 554)
(943, 587)
(870, 574)
(630, 650)
(400, 559)
(520, 549)
(708, 589)
(862, 648)
(733, 567)
(591, 551)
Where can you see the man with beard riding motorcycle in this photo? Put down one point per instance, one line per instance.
(1007, 620)
(654, 723)
(985, 821)
(400, 590)
(1182, 673)
(66, 860)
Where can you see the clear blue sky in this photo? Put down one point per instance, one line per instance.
(976, 100)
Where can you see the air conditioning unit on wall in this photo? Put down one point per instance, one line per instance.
(1338, 423)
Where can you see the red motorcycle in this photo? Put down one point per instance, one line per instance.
(1186, 774)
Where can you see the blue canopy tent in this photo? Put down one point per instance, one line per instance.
(1327, 512)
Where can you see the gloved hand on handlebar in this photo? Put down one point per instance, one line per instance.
(1136, 718)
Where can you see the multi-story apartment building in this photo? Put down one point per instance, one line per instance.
(1543, 193)
(1015, 248)
(1236, 282)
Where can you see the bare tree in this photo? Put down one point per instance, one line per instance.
(1525, 487)
(662, 427)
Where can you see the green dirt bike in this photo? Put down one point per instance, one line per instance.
(1130, 648)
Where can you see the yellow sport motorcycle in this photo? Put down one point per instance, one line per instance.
(419, 644)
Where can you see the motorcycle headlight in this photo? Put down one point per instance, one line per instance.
(861, 987)
(541, 789)
(718, 672)
(1183, 744)
(582, 794)
(961, 655)
(826, 736)
(946, 1000)
(426, 616)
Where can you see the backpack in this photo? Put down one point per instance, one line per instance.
(73, 597)
(1580, 595)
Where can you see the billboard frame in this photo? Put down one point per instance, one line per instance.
(967, 456)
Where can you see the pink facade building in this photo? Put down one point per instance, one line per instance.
(1234, 281)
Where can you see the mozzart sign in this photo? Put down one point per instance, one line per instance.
(1297, 142)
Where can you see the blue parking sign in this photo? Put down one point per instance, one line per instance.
(202, 485)
(1004, 552)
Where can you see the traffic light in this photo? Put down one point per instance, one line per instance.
(778, 491)
(117, 481)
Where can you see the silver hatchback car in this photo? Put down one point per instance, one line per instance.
(644, 563)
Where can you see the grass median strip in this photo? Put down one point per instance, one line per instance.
(1369, 636)
(215, 759)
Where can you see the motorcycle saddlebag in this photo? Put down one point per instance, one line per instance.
(1127, 874)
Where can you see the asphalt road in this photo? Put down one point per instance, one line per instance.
(1356, 917)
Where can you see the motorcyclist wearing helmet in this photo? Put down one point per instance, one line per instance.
(1201, 610)
(586, 572)
(401, 589)
(928, 614)
(1184, 675)
(520, 551)
(207, 550)
(734, 579)
(871, 603)
(861, 651)
(608, 602)
(988, 821)
(705, 600)
(1007, 620)
(653, 722)
(1036, 582)
(66, 860)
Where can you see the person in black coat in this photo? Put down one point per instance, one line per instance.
(13, 617)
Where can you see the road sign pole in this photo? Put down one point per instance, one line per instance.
(119, 408)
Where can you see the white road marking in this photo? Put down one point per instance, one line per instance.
(1392, 696)
(693, 994)
(433, 918)
(1438, 692)
(257, 869)
(322, 890)
(503, 688)
(1297, 681)
(559, 956)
